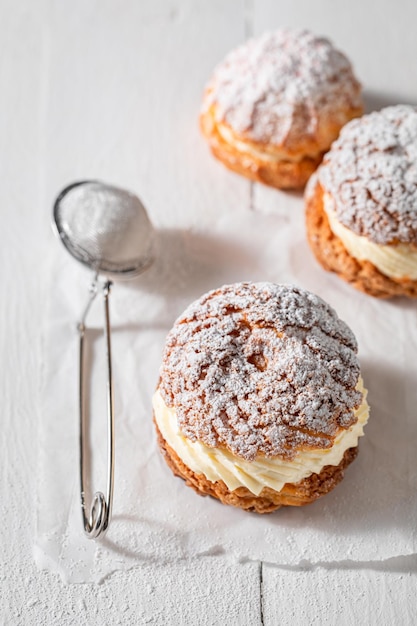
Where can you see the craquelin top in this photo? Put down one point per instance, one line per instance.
(371, 175)
(281, 86)
(261, 369)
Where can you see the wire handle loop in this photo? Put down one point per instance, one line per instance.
(96, 518)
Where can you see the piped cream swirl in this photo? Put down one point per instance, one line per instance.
(278, 156)
(395, 261)
(220, 464)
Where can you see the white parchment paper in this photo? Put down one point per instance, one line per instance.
(370, 516)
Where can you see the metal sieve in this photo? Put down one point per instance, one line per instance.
(108, 230)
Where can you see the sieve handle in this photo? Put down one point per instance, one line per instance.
(96, 518)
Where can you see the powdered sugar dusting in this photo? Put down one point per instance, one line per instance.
(261, 369)
(282, 85)
(371, 174)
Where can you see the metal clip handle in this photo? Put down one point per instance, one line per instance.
(96, 521)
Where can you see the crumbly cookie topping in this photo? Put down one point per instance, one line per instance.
(279, 87)
(261, 369)
(371, 175)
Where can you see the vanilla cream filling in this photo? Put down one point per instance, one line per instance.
(244, 147)
(395, 261)
(220, 464)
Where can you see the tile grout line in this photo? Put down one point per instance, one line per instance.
(252, 196)
(248, 18)
(248, 28)
(261, 594)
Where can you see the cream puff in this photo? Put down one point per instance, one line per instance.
(361, 205)
(260, 402)
(276, 103)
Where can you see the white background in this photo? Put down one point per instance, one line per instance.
(112, 90)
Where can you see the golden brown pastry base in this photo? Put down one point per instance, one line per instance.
(304, 492)
(333, 256)
(282, 174)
